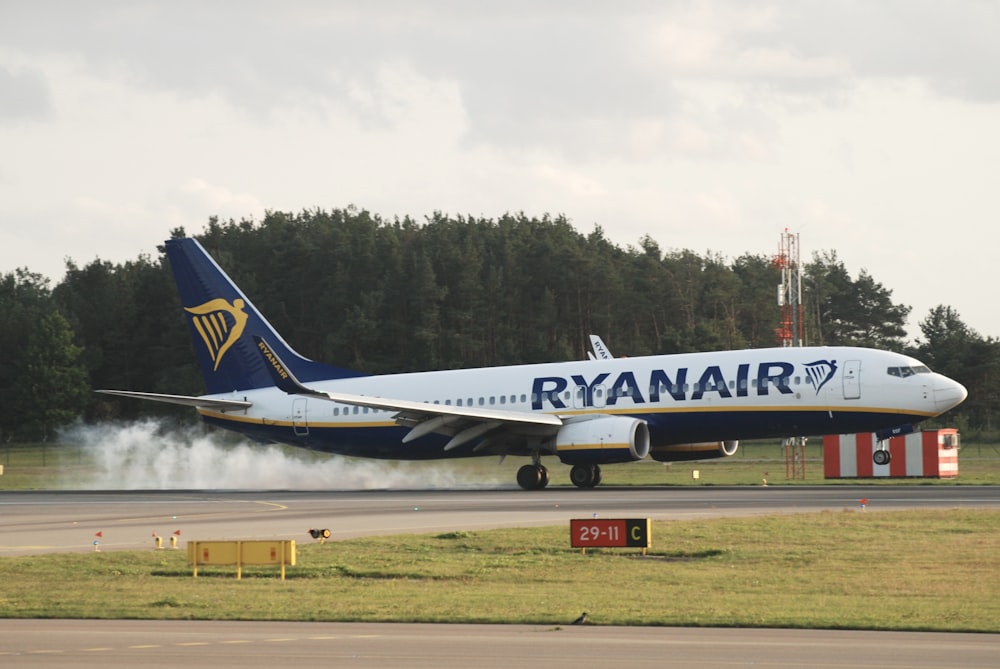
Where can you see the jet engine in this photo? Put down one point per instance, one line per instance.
(701, 451)
(602, 440)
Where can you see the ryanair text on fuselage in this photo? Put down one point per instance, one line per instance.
(776, 375)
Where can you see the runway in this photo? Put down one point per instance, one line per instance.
(132, 643)
(53, 521)
(56, 521)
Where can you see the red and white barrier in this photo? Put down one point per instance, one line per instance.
(930, 454)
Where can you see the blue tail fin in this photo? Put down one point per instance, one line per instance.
(223, 323)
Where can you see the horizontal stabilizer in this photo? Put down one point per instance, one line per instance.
(184, 400)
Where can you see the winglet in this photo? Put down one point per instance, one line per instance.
(282, 375)
(601, 351)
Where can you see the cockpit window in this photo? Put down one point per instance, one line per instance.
(903, 372)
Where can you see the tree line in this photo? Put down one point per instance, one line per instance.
(355, 290)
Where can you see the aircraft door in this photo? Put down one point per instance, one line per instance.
(597, 400)
(300, 421)
(852, 379)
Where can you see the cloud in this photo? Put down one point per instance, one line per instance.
(575, 78)
(24, 95)
(952, 47)
(198, 193)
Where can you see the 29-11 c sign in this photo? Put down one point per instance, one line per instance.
(609, 533)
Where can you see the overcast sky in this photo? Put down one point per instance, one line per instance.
(870, 128)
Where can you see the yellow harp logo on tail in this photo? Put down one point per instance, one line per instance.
(220, 324)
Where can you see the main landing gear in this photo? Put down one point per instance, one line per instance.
(533, 477)
(536, 476)
(585, 476)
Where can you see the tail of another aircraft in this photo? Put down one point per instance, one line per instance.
(223, 323)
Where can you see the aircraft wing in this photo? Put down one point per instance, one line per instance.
(463, 424)
(184, 400)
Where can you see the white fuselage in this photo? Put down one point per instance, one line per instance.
(683, 398)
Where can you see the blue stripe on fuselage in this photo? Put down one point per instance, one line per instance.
(385, 441)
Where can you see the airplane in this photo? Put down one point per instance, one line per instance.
(600, 351)
(587, 413)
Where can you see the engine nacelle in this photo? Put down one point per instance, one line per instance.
(703, 451)
(602, 440)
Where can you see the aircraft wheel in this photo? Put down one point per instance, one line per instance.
(543, 476)
(585, 476)
(881, 457)
(529, 477)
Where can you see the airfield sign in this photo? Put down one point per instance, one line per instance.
(610, 533)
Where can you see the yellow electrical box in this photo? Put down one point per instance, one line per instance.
(266, 552)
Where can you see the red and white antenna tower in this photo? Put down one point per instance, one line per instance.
(790, 333)
(790, 291)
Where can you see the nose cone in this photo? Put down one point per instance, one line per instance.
(948, 393)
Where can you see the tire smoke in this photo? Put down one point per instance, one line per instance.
(149, 456)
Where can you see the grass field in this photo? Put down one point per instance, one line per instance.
(927, 570)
